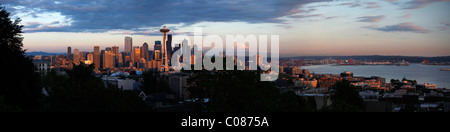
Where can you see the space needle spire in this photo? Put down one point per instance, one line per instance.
(164, 32)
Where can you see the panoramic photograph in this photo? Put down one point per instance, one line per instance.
(225, 56)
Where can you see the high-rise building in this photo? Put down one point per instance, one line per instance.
(108, 59)
(119, 60)
(177, 47)
(157, 46)
(97, 56)
(136, 53)
(128, 45)
(69, 51)
(169, 47)
(116, 53)
(157, 55)
(115, 50)
(76, 56)
(108, 49)
(90, 59)
(144, 51)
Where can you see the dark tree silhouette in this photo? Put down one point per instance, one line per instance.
(81, 91)
(20, 83)
(153, 82)
(240, 91)
(346, 98)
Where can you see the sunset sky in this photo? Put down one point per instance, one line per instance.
(306, 27)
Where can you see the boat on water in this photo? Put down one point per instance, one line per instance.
(445, 69)
(403, 63)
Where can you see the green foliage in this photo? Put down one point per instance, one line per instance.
(8, 108)
(154, 82)
(290, 102)
(408, 108)
(21, 87)
(346, 98)
(240, 91)
(80, 91)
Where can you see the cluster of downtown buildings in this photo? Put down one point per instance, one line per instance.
(135, 57)
(122, 69)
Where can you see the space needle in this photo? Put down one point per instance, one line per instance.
(164, 32)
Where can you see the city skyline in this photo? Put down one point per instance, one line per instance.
(306, 28)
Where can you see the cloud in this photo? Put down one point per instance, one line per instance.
(372, 5)
(105, 15)
(445, 26)
(351, 4)
(371, 18)
(407, 15)
(331, 17)
(305, 16)
(416, 4)
(403, 27)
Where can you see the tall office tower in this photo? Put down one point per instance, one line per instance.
(119, 60)
(69, 51)
(157, 55)
(97, 57)
(194, 49)
(177, 47)
(137, 53)
(90, 59)
(108, 49)
(164, 32)
(157, 46)
(144, 51)
(169, 47)
(151, 55)
(128, 45)
(76, 56)
(108, 59)
(115, 50)
(116, 53)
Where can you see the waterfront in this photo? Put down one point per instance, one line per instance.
(422, 73)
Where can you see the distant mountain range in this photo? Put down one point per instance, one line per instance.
(34, 53)
(412, 59)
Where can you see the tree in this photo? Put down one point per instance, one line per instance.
(346, 98)
(154, 82)
(20, 84)
(240, 91)
(81, 91)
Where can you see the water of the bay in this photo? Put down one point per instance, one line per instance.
(422, 73)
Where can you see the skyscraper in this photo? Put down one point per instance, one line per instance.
(108, 59)
(115, 51)
(144, 51)
(90, 59)
(169, 47)
(157, 55)
(76, 56)
(128, 45)
(136, 53)
(157, 45)
(97, 56)
(69, 51)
